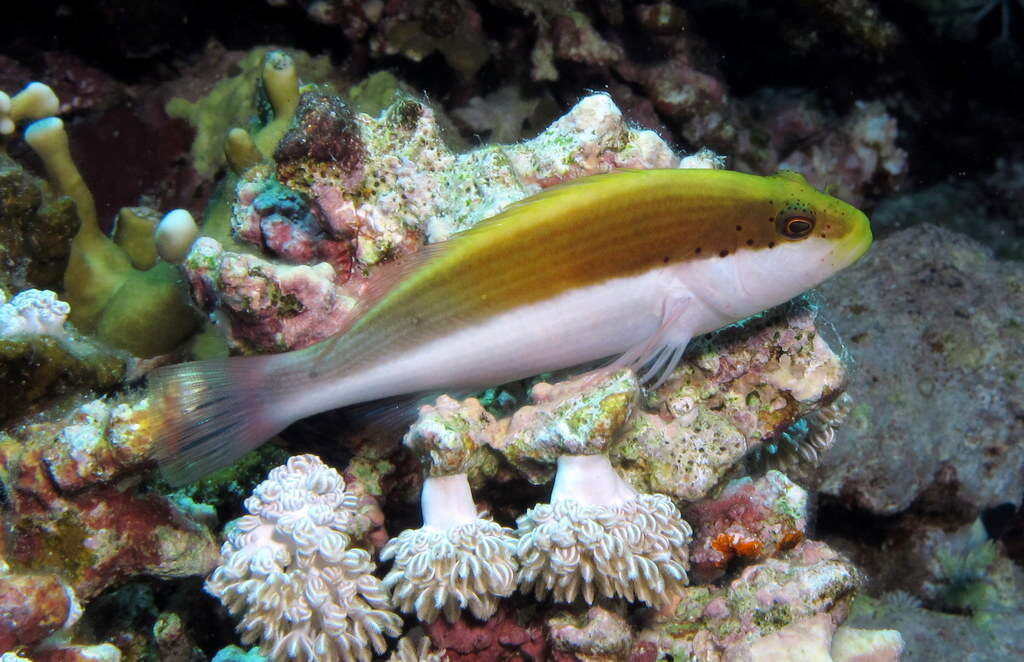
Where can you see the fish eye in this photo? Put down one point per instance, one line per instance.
(796, 225)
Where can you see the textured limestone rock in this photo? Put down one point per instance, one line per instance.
(936, 328)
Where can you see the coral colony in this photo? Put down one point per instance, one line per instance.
(619, 512)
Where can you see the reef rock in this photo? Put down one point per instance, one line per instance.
(730, 622)
(933, 323)
(734, 391)
(750, 520)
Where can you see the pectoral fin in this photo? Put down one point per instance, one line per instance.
(658, 356)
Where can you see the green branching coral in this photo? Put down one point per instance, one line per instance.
(251, 100)
(111, 292)
(241, 122)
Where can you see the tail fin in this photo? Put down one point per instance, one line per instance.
(210, 413)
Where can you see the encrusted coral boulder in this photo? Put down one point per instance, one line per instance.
(43, 359)
(934, 323)
(575, 417)
(597, 634)
(735, 391)
(70, 517)
(749, 520)
(34, 606)
(349, 192)
(725, 622)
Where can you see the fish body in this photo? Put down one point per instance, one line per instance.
(633, 262)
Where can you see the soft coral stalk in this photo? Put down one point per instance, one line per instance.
(458, 559)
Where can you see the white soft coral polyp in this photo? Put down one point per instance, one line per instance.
(33, 313)
(456, 560)
(599, 537)
(288, 572)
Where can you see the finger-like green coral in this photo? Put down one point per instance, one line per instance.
(237, 101)
(142, 311)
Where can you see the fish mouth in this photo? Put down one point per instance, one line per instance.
(853, 248)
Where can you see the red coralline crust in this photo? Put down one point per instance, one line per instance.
(740, 525)
(500, 638)
(644, 652)
(96, 536)
(32, 607)
(731, 545)
(790, 539)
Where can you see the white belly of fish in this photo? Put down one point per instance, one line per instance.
(574, 327)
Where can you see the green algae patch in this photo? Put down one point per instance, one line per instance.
(57, 546)
(370, 472)
(773, 618)
(36, 369)
(226, 488)
(36, 229)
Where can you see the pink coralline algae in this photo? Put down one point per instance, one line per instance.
(860, 157)
(33, 312)
(273, 306)
(279, 221)
(34, 606)
(336, 215)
